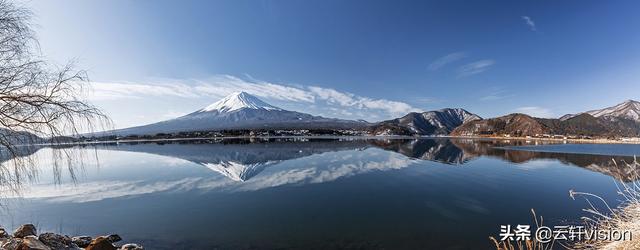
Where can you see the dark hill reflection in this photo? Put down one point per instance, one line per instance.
(598, 163)
(440, 150)
(243, 159)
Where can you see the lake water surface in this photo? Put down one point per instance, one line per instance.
(299, 193)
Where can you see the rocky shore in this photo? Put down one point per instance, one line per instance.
(26, 238)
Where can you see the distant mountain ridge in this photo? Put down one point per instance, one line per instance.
(438, 122)
(617, 121)
(242, 111)
(14, 137)
(629, 109)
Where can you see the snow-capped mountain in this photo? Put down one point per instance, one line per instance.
(629, 109)
(237, 101)
(240, 110)
(438, 122)
(448, 119)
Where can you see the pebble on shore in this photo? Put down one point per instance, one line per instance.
(26, 238)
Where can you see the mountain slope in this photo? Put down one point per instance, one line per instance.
(513, 124)
(15, 138)
(240, 111)
(439, 122)
(629, 109)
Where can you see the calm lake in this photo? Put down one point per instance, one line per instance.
(299, 193)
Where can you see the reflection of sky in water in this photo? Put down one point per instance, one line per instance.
(124, 173)
(600, 149)
(362, 196)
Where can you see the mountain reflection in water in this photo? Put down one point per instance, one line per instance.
(304, 193)
(243, 159)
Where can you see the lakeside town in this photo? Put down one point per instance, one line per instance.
(340, 133)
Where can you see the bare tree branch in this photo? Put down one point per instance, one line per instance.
(39, 102)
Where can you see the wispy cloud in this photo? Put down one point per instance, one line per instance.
(442, 61)
(426, 100)
(350, 100)
(222, 85)
(120, 90)
(496, 94)
(475, 67)
(535, 111)
(530, 23)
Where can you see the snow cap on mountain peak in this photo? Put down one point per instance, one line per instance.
(238, 100)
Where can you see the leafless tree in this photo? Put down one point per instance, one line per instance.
(39, 101)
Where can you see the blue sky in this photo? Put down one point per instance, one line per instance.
(153, 60)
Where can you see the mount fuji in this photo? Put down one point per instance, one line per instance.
(240, 110)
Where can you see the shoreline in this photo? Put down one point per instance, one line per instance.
(356, 137)
(349, 137)
(576, 141)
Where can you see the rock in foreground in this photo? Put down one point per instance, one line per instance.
(25, 230)
(24, 238)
